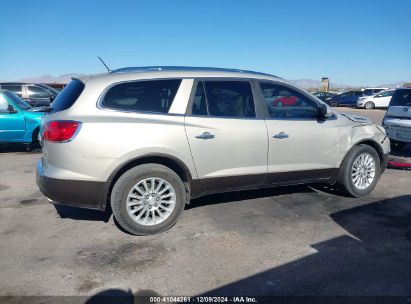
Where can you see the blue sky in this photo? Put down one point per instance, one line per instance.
(353, 42)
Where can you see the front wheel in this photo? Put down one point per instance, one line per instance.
(148, 199)
(360, 171)
(369, 105)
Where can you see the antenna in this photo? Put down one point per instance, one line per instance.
(108, 70)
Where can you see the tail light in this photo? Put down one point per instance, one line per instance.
(60, 130)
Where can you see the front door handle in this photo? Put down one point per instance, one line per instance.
(205, 135)
(281, 135)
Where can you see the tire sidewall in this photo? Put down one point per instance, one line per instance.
(128, 180)
(347, 170)
(371, 105)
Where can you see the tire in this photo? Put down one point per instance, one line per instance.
(34, 146)
(126, 185)
(334, 103)
(397, 145)
(347, 170)
(369, 105)
(35, 136)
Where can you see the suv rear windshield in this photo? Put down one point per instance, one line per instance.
(142, 96)
(66, 98)
(401, 98)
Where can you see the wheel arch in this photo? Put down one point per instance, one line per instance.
(166, 160)
(34, 134)
(370, 142)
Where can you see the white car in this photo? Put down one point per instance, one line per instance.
(397, 120)
(379, 100)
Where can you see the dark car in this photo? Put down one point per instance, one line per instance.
(348, 98)
(35, 94)
(324, 95)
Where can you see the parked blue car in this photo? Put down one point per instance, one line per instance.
(348, 98)
(19, 122)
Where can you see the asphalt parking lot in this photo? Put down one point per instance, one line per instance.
(300, 240)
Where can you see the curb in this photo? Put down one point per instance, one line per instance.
(399, 162)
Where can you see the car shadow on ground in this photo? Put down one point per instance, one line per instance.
(75, 213)
(370, 263)
(234, 196)
(20, 148)
(372, 260)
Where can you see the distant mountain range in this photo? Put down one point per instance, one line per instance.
(302, 83)
(51, 79)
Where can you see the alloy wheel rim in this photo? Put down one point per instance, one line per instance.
(151, 201)
(363, 171)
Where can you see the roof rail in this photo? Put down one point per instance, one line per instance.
(183, 68)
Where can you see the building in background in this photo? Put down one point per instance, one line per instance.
(325, 84)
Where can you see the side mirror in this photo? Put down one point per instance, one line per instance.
(11, 109)
(324, 111)
(51, 98)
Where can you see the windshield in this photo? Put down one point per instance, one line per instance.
(68, 96)
(21, 104)
(401, 98)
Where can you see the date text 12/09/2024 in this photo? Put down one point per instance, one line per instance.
(202, 299)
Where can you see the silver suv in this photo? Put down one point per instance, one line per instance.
(147, 140)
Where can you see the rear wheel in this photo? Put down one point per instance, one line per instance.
(397, 145)
(148, 199)
(369, 105)
(360, 170)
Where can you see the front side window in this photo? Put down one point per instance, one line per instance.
(14, 88)
(37, 92)
(142, 96)
(284, 102)
(229, 98)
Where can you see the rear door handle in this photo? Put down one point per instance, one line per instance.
(281, 135)
(205, 135)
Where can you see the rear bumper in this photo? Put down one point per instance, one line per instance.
(77, 193)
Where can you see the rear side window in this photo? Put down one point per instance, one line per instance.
(66, 98)
(142, 96)
(401, 98)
